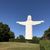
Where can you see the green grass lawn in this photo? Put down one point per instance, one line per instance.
(18, 46)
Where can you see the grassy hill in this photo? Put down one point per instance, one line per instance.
(18, 46)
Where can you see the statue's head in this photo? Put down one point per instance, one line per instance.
(29, 17)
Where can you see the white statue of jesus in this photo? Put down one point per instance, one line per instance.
(28, 26)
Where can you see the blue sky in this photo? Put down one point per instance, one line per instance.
(18, 10)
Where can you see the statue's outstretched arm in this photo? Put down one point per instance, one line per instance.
(22, 23)
(37, 22)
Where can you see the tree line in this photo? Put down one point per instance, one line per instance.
(7, 35)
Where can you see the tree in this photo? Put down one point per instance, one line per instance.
(5, 33)
(35, 39)
(47, 34)
(20, 38)
(11, 34)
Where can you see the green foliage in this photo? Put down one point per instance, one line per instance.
(11, 34)
(20, 38)
(5, 33)
(42, 47)
(45, 44)
(35, 39)
(47, 34)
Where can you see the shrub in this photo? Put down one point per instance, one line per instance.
(45, 44)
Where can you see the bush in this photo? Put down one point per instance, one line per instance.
(45, 44)
(42, 47)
